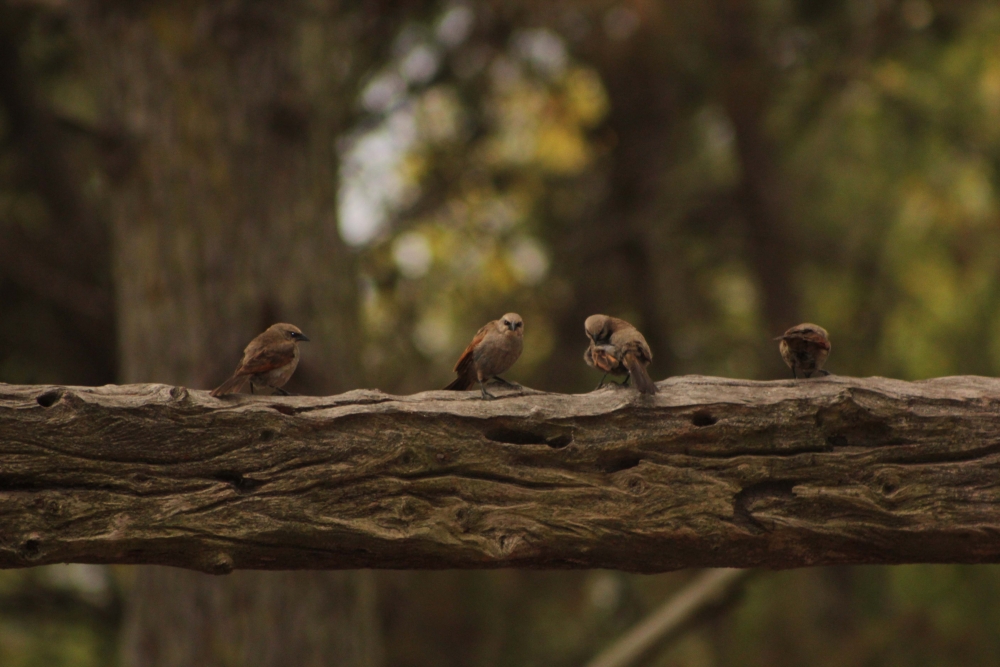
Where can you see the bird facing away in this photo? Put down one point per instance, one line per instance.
(617, 347)
(268, 361)
(492, 351)
(805, 348)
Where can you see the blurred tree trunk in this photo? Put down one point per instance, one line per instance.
(747, 92)
(628, 254)
(225, 222)
(247, 619)
(59, 264)
(610, 256)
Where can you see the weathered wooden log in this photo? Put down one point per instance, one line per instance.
(709, 472)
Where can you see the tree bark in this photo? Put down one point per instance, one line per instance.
(710, 472)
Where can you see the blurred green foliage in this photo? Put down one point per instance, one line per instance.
(888, 153)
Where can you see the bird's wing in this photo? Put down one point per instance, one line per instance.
(630, 339)
(264, 359)
(645, 354)
(465, 361)
(813, 337)
(604, 358)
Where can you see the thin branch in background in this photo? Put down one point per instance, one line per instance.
(710, 588)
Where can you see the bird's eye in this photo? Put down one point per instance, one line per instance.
(506, 323)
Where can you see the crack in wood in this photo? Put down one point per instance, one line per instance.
(744, 500)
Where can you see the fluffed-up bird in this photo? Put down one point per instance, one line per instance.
(268, 361)
(494, 349)
(805, 348)
(617, 347)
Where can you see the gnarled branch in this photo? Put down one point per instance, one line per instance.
(710, 472)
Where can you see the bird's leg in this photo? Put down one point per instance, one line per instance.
(251, 387)
(281, 391)
(602, 381)
(794, 374)
(627, 378)
(823, 373)
(487, 396)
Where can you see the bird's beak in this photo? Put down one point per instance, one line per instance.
(303, 338)
(779, 338)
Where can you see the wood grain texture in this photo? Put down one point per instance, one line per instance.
(710, 472)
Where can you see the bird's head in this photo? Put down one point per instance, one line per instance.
(598, 328)
(513, 323)
(807, 331)
(289, 331)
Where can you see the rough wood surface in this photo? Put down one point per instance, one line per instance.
(710, 472)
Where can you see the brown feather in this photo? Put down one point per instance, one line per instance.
(617, 347)
(268, 360)
(465, 361)
(602, 360)
(494, 349)
(637, 370)
(805, 348)
(231, 386)
(461, 383)
(465, 367)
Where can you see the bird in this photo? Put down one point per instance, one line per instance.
(617, 347)
(805, 348)
(494, 349)
(268, 361)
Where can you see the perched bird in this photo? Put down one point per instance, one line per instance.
(268, 361)
(492, 351)
(617, 347)
(805, 348)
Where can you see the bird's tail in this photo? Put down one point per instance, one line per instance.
(637, 371)
(231, 386)
(461, 383)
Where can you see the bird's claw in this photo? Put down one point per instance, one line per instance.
(487, 396)
(512, 385)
